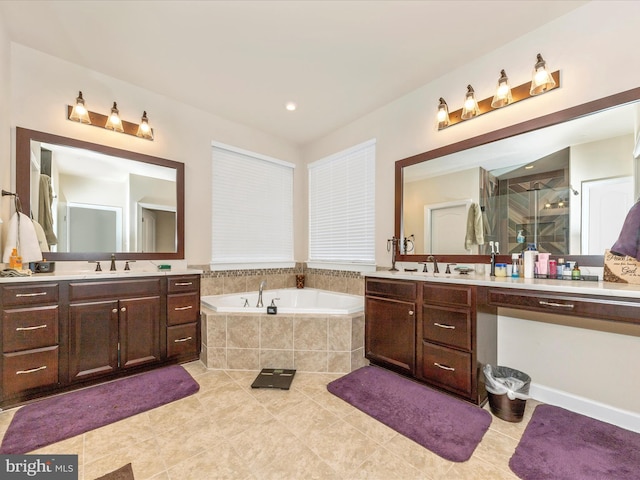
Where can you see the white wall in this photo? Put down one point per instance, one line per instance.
(43, 85)
(595, 48)
(5, 120)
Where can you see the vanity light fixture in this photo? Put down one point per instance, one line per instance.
(470, 108)
(113, 121)
(79, 112)
(503, 95)
(542, 80)
(291, 106)
(443, 114)
(144, 130)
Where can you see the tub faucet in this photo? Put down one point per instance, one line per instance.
(431, 258)
(263, 283)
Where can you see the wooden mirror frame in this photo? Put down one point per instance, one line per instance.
(507, 132)
(23, 172)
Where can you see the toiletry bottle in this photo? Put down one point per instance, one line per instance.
(13, 259)
(520, 237)
(553, 268)
(514, 265)
(575, 273)
(560, 268)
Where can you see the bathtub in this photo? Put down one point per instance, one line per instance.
(288, 300)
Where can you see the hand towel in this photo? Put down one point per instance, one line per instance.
(475, 229)
(628, 242)
(45, 216)
(42, 238)
(21, 234)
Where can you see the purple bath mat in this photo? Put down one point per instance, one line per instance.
(558, 443)
(64, 416)
(443, 424)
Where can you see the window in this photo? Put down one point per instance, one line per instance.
(252, 210)
(342, 209)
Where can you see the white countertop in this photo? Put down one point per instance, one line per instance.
(559, 286)
(86, 271)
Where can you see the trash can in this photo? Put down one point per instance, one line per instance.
(508, 390)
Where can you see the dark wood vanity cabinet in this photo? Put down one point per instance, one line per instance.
(441, 334)
(183, 317)
(390, 326)
(59, 336)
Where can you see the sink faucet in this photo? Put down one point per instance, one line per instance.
(263, 283)
(113, 263)
(431, 258)
(495, 249)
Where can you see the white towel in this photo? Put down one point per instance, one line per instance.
(24, 239)
(475, 229)
(42, 237)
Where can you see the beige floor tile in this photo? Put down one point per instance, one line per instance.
(496, 448)
(371, 427)
(221, 464)
(146, 460)
(306, 417)
(477, 469)
(176, 413)
(299, 462)
(384, 465)
(192, 438)
(432, 465)
(122, 434)
(230, 420)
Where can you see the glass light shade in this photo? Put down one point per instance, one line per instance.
(470, 108)
(79, 112)
(144, 130)
(541, 80)
(503, 95)
(443, 114)
(113, 121)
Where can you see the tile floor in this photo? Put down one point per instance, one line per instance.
(229, 431)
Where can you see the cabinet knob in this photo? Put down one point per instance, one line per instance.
(115, 310)
(411, 312)
(123, 309)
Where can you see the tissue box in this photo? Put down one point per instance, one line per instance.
(621, 269)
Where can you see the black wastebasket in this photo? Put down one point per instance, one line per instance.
(501, 405)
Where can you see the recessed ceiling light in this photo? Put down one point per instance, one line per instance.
(291, 106)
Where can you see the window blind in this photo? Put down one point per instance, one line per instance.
(342, 208)
(252, 209)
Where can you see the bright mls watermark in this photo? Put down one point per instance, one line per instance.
(45, 467)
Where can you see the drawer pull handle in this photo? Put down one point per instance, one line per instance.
(184, 284)
(444, 367)
(553, 304)
(33, 370)
(22, 329)
(188, 307)
(442, 325)
(179, 340)
(37, 294)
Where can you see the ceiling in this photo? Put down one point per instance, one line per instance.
(243, 60)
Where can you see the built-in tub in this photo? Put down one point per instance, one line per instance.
(288, 301)
(312, 331)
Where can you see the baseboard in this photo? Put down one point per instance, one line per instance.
(601, 411)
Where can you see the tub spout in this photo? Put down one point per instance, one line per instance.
(263, 283)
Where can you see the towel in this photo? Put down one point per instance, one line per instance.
(42, 238)
(21, 235)
(475, 228)
(628, 243)
(45, 217)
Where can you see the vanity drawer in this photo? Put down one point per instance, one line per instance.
(607, 308)
(19, 295)
(392, 289)
(445, 367)
(28, 328)
(25, 370)
(183, 308)
(190, 283)
(182, 340)
(113, 289)
(447, 294)
(446, 325)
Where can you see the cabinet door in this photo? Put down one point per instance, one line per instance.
(93, 339)
(390, 333)
(139, 331)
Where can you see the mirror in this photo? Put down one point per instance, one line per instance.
(564, 181)
(93, 200)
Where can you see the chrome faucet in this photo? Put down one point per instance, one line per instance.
(263, 284)
(431, 258)
(113, 263)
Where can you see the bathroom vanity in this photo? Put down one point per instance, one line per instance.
(442, 329)
(61, 332)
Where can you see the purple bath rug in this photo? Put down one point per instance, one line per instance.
(64, 416)
(558, 444)
(443, 424)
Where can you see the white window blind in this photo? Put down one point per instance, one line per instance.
(342, 208)
(252, 210)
